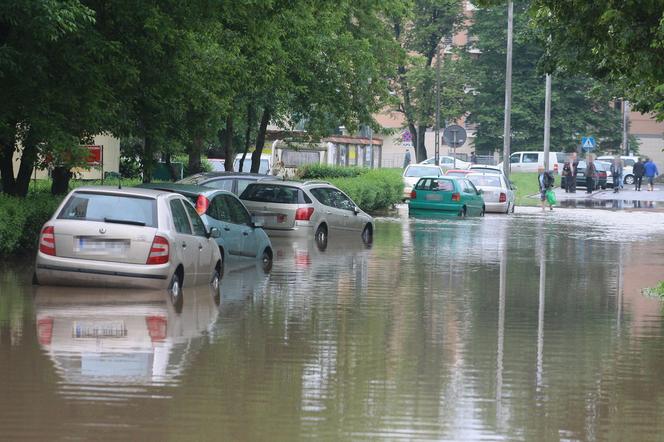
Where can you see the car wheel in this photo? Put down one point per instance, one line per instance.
(321, 237)
(221, 263)
(367, 234)
(175, 291)
(629, 179)
(266, 260)
(462, 212)
(216, 277)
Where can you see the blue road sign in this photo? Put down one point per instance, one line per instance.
(588, 144)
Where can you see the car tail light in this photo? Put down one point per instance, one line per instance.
(157, 326)
(202, 204)
(304, 213)
(502, 198)
(413, 195)
(158, 251)
(47, 241)
(45, 330)
(456, 196)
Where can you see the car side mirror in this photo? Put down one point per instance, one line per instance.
(214, 233)
(256, 222)
(356, 210)
(480, 191)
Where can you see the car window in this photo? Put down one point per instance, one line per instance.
(242, 184)
(341, 201)
(444, 185)
(530, 158)
(322, 194)
(221, 184)
(218, 209)
(515, 158)
(180, 219)
(485, 180)
(448, 160)
(416, 171)
(238, 214)
(629, 162)
(90, 206)
(269, 193)
(423, 184)
(467, 186)
(196, 221)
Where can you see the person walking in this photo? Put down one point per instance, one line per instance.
(545, 180)
(406, 159)
(638, 170)
(473, 158)
(616, 173)
(574, 164)
(591, 175)
(650, 173)
(567, 176)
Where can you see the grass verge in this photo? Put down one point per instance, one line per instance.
(527, 185)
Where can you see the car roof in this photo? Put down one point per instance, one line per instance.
(132, 191)
(185, 189)
(457, 171)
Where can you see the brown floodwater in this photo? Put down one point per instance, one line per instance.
(524, 327)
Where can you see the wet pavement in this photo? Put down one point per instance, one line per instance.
(524, 327)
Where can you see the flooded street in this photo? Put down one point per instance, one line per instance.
(527, 327)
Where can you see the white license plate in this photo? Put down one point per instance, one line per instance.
(102, 246)
(581, 174)
(433, 197)
(98, 329)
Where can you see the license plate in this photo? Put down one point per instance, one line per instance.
(581, 174)
(92, 245)
(99, 329)
(433, 197)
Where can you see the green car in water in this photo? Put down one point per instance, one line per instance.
(446, 195)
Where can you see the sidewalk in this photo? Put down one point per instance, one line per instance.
(627, 194)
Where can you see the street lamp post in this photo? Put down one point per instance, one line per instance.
(508, 90)
(547, 122)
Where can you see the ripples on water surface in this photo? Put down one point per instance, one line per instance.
(529, 327)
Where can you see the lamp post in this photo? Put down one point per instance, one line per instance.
(508, 90)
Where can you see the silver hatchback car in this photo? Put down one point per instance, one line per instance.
(312, 208)
(136, 238)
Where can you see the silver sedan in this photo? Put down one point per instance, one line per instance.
(497, 193)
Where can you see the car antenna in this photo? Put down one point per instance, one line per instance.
(120, 180)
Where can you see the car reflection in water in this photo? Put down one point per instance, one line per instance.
(102, 337)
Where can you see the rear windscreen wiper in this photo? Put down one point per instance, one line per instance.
(124, 221)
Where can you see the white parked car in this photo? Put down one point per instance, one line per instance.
(496, 191)
(628, 165)
(447, 162)
(531, 161)
(413, 173)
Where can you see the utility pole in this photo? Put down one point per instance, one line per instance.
(508, 90)
(437, 143)
(625, 109)
(547, 122)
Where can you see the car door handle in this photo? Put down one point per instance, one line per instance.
(228, 229)
(245, 233)
(328, 212)
(184, 245)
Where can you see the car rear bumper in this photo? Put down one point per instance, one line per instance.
(299, 231)
(51, 270)
(496, 207)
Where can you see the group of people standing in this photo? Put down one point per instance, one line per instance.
(641, 169)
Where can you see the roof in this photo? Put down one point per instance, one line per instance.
(183, 189)
(124, 190)
(206, 175)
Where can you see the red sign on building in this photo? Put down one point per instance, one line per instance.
(94, 155)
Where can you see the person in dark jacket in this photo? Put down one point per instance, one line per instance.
(545, 180)
(574, 164)
(567, 176)
(638, 170)
(591, 175)
(617, 174)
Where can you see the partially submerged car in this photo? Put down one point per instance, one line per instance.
(134, 238)
(496, 191)
(449, 195)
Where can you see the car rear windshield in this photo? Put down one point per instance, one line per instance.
(269, 193)
(435, 184)
(415, 171)
(121, 209)
(485, 180)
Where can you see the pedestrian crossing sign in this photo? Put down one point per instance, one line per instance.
(588, 143)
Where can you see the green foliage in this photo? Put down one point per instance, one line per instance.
(655, 292)
(374, 190)
(619, 43)
(318, 171)
(527, 185)
(580, 106)
(21, 220)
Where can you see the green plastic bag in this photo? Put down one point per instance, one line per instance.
(551, 197)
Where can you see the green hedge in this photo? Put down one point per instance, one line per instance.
(21, 219)
(319, 171)
(374, 189)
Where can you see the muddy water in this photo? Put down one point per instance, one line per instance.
(529, 327)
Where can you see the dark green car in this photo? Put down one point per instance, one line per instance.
(447, 195)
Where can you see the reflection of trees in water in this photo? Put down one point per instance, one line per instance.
(15, 306)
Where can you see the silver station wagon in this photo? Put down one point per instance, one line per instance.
(312, 208)
(135, 238)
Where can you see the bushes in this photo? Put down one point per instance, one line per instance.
(319, 171)
(21, 219)
(374, 189)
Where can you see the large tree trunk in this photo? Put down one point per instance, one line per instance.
(247, 134)
(147, 160)
(17, 186)
(7, 167)
(229, 153)
(195, 156)
(417, 134)
(60, 180)
(260, 141)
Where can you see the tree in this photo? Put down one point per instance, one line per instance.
(420, 32)
(619, 43)
(580, 105)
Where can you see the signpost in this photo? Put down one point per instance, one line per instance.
(588, 144)
(96, 158)
(455, 136)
